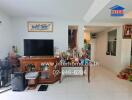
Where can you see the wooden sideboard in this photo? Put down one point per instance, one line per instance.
(46, 76)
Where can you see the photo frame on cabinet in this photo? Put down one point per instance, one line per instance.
(40, 26)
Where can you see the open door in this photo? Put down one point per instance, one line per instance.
(72, 36)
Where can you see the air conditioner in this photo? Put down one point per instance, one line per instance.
(93, 35)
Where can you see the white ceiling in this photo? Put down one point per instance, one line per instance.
(74, 9)
(105, 17)
(92, 11)
(96, 29)
(96, 8)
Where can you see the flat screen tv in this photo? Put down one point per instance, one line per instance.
(38, 47)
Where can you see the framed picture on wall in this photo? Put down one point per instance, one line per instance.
(127, 31)
(40, 26)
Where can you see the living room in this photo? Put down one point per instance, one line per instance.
(15, 20)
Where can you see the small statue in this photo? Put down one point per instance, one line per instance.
(13, 52)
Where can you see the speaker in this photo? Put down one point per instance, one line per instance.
(18, 82)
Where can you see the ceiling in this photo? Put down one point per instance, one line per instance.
(96, 29)
(91, 11)
(73, 9)
(105, 17)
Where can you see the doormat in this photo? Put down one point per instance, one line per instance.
(43, 88)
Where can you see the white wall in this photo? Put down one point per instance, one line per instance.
(7, 38)
(59, 34)
(93, 48)
(14, 30)
(122, 58)
(125, 52)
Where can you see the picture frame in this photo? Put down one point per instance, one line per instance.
(40, 26)
(127, 31)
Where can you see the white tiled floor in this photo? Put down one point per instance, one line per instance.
(104, 85)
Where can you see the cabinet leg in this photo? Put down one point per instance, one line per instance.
(60, 81)
(88, 74)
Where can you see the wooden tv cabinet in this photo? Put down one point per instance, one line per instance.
(50, 72)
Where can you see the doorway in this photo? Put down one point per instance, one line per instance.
(87, 44)
(72, 36)
(131, 54)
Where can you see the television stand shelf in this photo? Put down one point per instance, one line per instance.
(46, 75)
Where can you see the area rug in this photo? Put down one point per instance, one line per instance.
(43, 88)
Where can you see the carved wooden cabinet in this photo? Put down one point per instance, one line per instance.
(49, 70)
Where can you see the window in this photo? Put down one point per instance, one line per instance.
(111, 44)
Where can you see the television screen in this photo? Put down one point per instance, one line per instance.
(37, 47)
